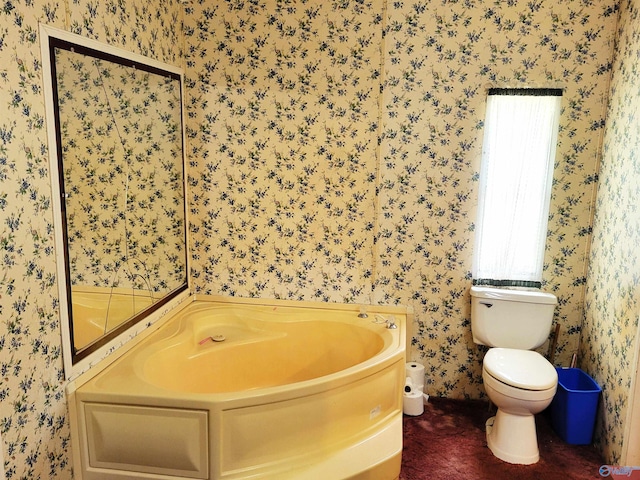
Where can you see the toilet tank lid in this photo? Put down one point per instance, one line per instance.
(527, 296)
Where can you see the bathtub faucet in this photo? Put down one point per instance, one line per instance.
(390, 321)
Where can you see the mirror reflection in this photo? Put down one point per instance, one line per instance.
(120, 152)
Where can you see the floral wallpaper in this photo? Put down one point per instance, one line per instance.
(33, 412)
(610, 336)
(334, 151)
(284, 120)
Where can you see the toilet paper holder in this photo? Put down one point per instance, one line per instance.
(408, 386)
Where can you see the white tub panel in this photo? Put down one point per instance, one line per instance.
(163, 441)
(253, 438)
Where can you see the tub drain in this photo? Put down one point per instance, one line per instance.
(214, 338)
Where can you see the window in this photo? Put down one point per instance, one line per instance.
(521, 128)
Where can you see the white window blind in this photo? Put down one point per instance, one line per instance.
(521, 128)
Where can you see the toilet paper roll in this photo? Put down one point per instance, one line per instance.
(413, 403)
(415, 371)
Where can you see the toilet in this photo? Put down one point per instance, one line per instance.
(519, 381)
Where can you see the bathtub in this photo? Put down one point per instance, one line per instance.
(244, 389)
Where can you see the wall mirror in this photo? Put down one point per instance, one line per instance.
(117, 158)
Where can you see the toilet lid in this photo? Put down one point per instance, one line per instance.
(520, 368)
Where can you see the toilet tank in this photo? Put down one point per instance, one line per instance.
(511, 318)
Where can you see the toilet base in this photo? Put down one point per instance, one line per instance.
(512, 438)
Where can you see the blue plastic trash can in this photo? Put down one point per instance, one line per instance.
(575, 405)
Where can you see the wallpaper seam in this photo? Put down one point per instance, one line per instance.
(378, 159)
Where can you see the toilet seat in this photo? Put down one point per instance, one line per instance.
(523, 369)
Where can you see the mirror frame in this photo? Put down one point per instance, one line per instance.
(76, 361)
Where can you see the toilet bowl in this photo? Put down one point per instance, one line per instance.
(520, 383)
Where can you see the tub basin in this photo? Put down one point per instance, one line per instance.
(258, 356)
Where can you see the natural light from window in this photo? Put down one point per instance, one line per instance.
(515, 184)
